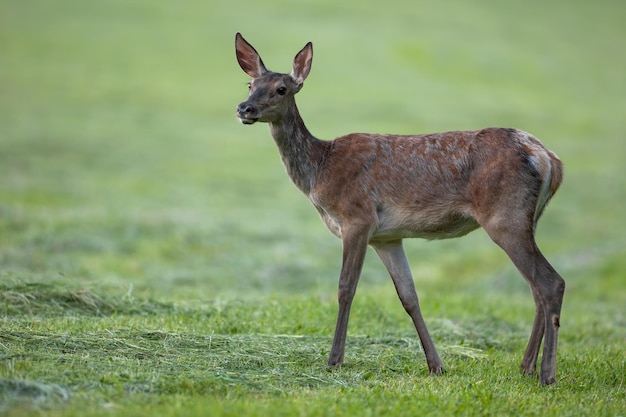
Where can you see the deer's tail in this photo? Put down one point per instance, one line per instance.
(552, 179)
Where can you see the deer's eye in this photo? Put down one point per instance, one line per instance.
(282, 91)
(249, 86)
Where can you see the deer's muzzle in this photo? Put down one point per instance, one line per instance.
(246, 113)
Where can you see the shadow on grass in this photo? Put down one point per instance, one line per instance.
(30, 393)
(44, 299)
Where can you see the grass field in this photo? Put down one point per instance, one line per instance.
(155, 260)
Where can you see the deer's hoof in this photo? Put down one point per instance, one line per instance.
(528, 371)
(334, 363)
(439, 370)
(548, 380)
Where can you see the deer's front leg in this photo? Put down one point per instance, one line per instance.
(354, 248)
(393, 256)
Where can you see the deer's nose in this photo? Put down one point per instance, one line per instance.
(245, 108)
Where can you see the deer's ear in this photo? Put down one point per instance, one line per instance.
(302, 64)
(248, 58)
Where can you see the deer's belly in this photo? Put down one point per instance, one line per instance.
(396, 223)
(432, 224)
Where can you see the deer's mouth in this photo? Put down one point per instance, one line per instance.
(248, 120)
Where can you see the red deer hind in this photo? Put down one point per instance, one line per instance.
(373, 189)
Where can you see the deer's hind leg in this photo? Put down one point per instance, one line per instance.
(529, 361)
(514, 233)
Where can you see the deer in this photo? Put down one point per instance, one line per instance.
(378, 189)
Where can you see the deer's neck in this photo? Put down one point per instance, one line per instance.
(300, 151)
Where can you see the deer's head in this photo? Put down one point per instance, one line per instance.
(271, 93)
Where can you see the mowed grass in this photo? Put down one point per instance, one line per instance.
(156, 260)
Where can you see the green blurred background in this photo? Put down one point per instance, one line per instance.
(122, 164)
